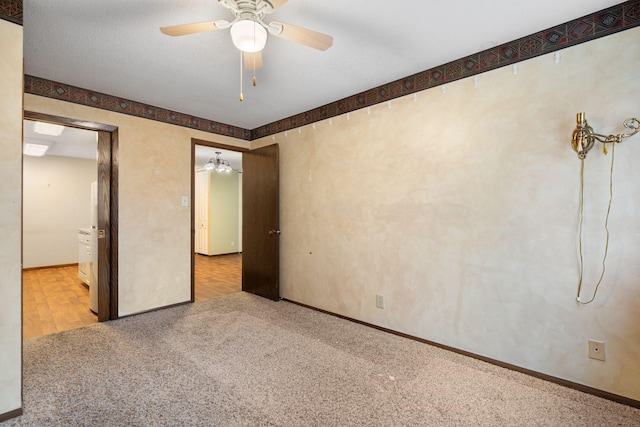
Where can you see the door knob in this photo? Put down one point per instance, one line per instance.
(272, 231)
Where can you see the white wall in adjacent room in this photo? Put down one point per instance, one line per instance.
(57, 201)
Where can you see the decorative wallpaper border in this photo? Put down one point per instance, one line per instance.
(65, 92)
(617, 18)
(11, 10)
(599, 24)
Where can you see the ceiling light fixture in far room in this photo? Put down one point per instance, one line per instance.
(218, 165)
(47, 129)
(37, 150)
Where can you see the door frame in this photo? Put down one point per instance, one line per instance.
(108, 205)
(194, 142)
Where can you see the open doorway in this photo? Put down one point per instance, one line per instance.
(59, 228)
(216, 220)
(69, 196)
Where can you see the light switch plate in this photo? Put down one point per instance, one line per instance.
(185, 201)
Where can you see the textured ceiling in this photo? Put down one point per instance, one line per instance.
(115, 47)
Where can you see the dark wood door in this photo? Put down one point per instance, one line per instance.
(260, 222)
(104, 232)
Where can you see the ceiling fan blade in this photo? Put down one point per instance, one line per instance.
(199, 27)
(252, 61)
(277, 3)
(301, 35)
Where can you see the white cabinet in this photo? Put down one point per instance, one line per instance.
(216, 205)
(84, 255)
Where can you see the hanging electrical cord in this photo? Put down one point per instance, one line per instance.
(606, 225)
(582, 140)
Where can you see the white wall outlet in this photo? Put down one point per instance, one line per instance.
(379, 301)
(596, 350)
(185, 201)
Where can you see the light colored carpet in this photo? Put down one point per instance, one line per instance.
(241, 360)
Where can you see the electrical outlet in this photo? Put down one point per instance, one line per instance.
(379, 301)
(596, 350)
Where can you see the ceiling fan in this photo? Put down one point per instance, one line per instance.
(249, 31)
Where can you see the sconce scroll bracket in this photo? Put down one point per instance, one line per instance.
(584, 137)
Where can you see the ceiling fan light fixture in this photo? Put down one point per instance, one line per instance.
(248, 36)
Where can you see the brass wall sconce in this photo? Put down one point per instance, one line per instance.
(582, 141)
(584, 137)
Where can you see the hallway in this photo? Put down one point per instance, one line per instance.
(217, 275)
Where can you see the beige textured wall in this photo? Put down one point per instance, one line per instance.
(460, 208)
(56, 202)
(10, 206)
(155, 172)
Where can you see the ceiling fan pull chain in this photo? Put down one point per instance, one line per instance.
(254, 81)
(241, 95)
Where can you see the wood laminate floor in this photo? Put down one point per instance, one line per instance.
(55, 300)
(217, 275)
